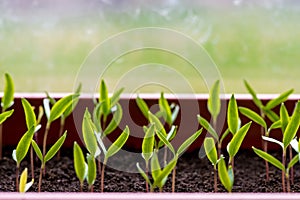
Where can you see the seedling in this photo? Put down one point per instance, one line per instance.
(94, 142)
(212, 155)
(24, 186)
(6, 102)
(289, 127)
(66, 113)
(45, 158)
(266, 111)
(84, 170)
(226, 174)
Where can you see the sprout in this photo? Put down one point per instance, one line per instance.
(226, 174)
(94, 142)
(66, 113)
(24, 186)
(6, 102)
(266, 111)
(80, 165)
(289, 127)
(48, 155)
(211, 153)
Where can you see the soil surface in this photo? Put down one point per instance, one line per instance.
(193, 175)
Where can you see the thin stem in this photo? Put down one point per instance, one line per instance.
(81, 186)
(91, 188)
(215, 179)
(147, 171)
(288, 183)
(165, 155)
(61, 129)
(102, 174)
(99, 169)
(265, 146)
(292, 168)
(45, 142)
(283, 172)
(40, 178)
(231, 162)
(17, 177)
(160, 189)
(1, 136)
(173, 179)
(31, 162)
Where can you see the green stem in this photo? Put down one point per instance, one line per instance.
(40, 177)
(1, 136)
(147, 171)
(265, 144)
(17, 177)
(45, 142)
(288, 182)
(292, 168)
(31, 162)
(215, 179)
(81, 186)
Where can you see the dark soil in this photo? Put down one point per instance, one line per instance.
(193, 175)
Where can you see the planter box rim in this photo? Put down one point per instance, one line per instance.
(148, 196)
(156, 95)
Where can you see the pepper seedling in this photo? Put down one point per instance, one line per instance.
(290, 127)
(48, 155)
(266, 111)
(24, 186)
(68, 111)
(6, 102)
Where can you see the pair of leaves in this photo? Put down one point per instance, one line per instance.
(9, 90)
(271, 104)
(23, 185)
(52, 151)
(59, 107)
(226, 175)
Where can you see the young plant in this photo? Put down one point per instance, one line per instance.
(266, 111)
(225, 174)
(289, 127)
(94, 142)
(65, 114)
(48, 155)
(6, 102)
(84, 170)
(24, 186)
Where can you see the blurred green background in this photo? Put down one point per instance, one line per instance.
(44, 43)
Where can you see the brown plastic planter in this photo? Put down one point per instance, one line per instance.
(15, 126)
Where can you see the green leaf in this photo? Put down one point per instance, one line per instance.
(29, 113)
(104, 99)
(142, 106)
(114, 123)
(271, 115)
(223, 174)
(37, 150)
(214, 102)
(230, 174)
(232, 115)
(292, 163)
(292, 127)
(203, 122)
(164, 106)
(148, 143)
(61, 105)
(116, 97)
(5, 115)
(280, 99)
(79, 163)
(257, 101)
(223, 136)
(169, 137)
(155, 166)
(185, 145)
(275, 125)
(164, 140)
(118, 143)
(24, 144)
(144, 175)
(52, 100)
(236, 141)
(284, 117)
(158, 125)
(72, 106)
(88, 133)
(160, 179)
(92, 170)
(97, 117)
(269, 158)
(54, 149)
(253, 116)
(210, 150)
(9, 90)
(273, 140)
